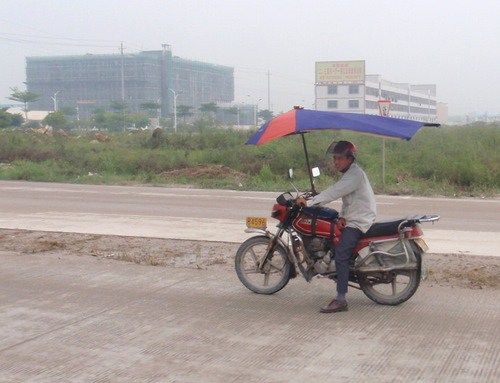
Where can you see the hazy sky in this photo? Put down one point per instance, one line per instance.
(452, 43)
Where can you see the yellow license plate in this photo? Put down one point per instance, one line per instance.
(256, 222)
(421, 243)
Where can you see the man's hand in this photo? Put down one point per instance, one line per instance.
(341, 223)
(301, 201)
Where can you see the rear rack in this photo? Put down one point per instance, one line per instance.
(429, 218)
(418, 219)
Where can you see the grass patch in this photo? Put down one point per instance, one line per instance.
(450, 161)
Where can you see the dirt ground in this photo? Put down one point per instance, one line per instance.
(455, 270)
(206, 172)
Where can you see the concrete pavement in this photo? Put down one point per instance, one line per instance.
(84, 319)
(220, 230)
(468, 226)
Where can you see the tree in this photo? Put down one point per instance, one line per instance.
(119, 106)
(139, 120)
(99, 119)
(25, 97)
(209, 110)
(5, 118)
(68, 111)
(8, 119)
(210, 107)
(151, 107)
(184, 111)
(118, 120)
(232, 112)
(56, 120)
(112, 121)
(17, 119)
(265, 114)
(98, 111)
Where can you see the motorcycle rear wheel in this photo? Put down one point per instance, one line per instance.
(276, 272)
(392, 287)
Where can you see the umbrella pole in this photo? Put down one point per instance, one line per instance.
(309, 171)
(383, 164)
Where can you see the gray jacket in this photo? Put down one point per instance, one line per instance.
(358, 200)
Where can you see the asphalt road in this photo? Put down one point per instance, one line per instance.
(467, 226)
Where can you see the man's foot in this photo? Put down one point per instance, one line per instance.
(335, 306)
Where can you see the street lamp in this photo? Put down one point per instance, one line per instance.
(238, 109)
(54, 98)
(256, 107)
(158, 110)
(175, 108)
(238, 117)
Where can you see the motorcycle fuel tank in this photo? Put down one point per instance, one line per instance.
(304, 225)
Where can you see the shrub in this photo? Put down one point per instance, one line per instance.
(449, 160)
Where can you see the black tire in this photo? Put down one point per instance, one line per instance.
(275, 274)
(398, 287)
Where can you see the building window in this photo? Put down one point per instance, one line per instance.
(353, 104)
(332, 89)
(332, 104)
(353, 89)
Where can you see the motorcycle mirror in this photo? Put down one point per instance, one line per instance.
(315, 172)
(290, 176)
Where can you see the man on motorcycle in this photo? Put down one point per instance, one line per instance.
(357, 214)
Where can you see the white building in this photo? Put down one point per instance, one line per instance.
(343, 86)
(33, 115)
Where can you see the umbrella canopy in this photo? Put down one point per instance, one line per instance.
(298, 121)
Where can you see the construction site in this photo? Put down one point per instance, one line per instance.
(92, 82)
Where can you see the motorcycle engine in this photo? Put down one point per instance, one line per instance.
(317, 249)
(315, 246)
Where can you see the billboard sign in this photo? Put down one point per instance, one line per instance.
(340, 72)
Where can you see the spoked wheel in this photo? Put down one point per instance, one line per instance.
(274, 275)
(391, 287)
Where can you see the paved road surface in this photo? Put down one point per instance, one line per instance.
(82, 319)
(468, 226)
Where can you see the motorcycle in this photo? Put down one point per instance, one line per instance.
(386, 264)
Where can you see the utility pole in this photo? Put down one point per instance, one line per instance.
(122, 73)
(175, 108)
(268, 90)
(165, 81)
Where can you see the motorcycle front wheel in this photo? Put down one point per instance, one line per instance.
(391, 287)
(272, 277)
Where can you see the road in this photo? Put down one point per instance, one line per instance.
(467, 226)
(87, 319)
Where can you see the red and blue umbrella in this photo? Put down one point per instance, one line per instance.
(300, 121)
(297, 121)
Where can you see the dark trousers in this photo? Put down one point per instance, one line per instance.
(348, 240)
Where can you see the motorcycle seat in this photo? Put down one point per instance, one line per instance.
(382, 228)
(321, 212)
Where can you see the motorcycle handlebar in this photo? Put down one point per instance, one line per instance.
(308, 195)
(304, 196)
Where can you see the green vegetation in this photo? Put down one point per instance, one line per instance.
(462, 161)
(8, 120)
(24, 97)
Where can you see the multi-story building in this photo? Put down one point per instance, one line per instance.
(91, 82)
(343, 86)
